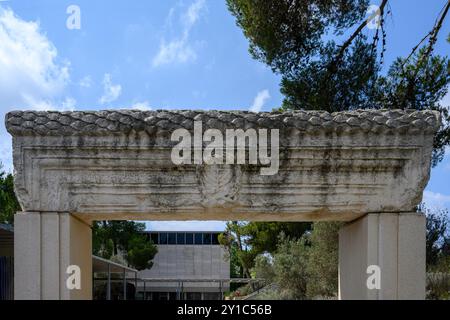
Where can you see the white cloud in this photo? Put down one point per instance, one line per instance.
(29, 71)
(68, 104)
(179, 50)
(31, 74)
(175, 51)
(169, 18)
(436, 200)
(143, 106)
(6, 152)
(110, 91)
(191, 16)
(260, 100)
(86, 82)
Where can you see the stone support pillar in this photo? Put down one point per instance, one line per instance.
(46, 244)
(394, 242)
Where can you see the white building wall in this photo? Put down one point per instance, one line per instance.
(189, 262)
(200, 262)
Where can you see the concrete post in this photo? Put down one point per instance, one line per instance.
(394, 242)
(45, 245)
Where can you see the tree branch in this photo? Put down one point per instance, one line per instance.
(436, 31)
(347, 43)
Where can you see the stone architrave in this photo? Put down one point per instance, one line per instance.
(336, 166)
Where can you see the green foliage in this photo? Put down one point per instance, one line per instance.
(443, 263)
(264, 269)
(437, 239)
(263, 236)
(302, 41)
(232, 240)
(236, 270)
(102, 244)
(323, 260)
(322, 85)
(420, 84)
(438, 285)
(290, 268)
(294, 39)
(304, 268)
(141, 252)
(9, 204)
(287, 35)
(110, 238)
(246, 240)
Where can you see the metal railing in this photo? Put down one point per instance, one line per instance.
(6, 278)
(179, 284)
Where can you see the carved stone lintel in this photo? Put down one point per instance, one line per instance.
(117, 164)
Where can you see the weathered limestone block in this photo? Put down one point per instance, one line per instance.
(335, 166)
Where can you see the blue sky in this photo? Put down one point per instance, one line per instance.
(161, 54)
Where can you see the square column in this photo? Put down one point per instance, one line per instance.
(391, 243)
(45, 245)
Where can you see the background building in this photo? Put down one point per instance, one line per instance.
(188, 265)
(6, 262)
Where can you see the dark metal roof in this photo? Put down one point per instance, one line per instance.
(101, 265)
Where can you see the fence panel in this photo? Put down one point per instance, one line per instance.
(6, 278)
